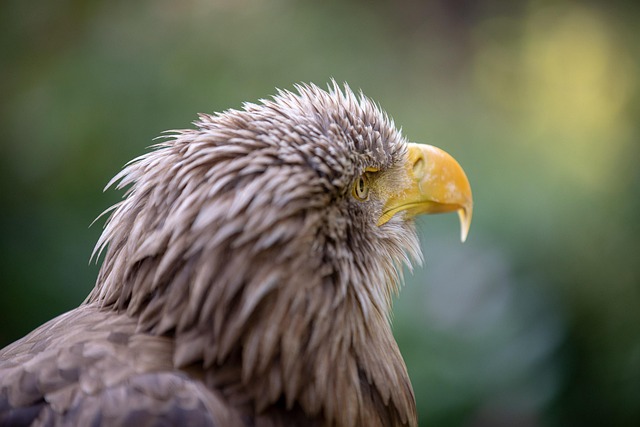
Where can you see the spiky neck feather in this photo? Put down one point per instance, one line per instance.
(238, 239)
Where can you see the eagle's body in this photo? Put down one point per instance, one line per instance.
(247, 279)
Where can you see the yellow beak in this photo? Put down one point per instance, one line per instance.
(436, 183)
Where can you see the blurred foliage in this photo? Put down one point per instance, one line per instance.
(534, 322)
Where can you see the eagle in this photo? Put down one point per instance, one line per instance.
(247, 276)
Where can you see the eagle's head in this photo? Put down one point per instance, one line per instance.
(269, 242)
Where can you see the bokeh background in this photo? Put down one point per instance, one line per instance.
(535, 321)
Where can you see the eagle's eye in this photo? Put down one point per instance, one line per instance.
(361, 187)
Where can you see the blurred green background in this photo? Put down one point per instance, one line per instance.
(535, 321)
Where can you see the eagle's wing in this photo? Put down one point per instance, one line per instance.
(89, 367)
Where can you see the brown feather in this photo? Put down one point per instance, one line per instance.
(241, 283)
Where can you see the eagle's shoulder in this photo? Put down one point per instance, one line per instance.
(90, 367)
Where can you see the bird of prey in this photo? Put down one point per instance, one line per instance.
(247, 277)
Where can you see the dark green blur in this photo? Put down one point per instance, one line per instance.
(535, 321)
